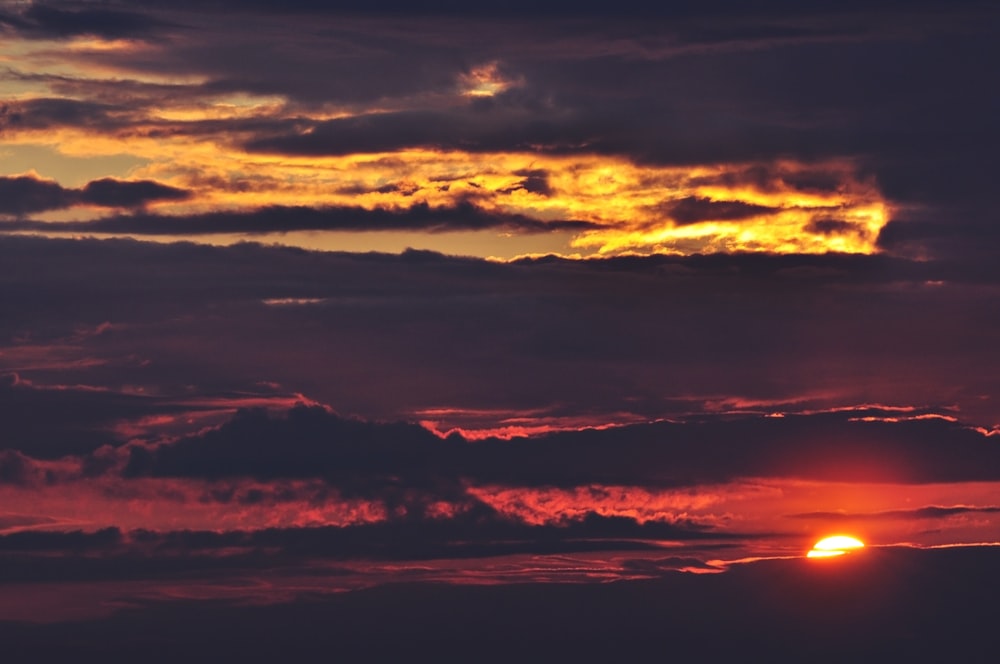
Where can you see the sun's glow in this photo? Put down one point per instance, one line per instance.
(835, 545)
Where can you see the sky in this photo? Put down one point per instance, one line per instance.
(328, 308)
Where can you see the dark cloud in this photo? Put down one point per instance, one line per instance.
(45, 113)
(42, 20)
(372, 460)
(16, 468)
(25, 194)
(692, 210)
(55, 421)
(536, 181)
(464, 216)
(110, 554)
(61, 542)
(548, 335)
(109, 192)
(312, 442)
(965, 230)
(52, 423)
(778, 177)
(815, 181)
(483, 127)
(405, 188)
(834, 227)
(477, 532)
(127, 109)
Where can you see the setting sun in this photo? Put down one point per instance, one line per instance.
(836, 545)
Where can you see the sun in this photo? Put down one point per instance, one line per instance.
(835, 545)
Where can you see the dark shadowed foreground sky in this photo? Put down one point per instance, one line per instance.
(324, 325)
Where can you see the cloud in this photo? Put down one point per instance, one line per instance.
(834, 227)
(21, 195)
(536, 181)
(51, 112)
(374, 460)
(600, 341)
(674, 89)
(53, 423)
(965, 231)
(479, 127)
(50, 422)
(692, 210)
(464, 216)
(15, 468)
(108, 192)
(930, 512)
(317, 444)
(670, 564)
(84, 556)
(46, 20)
(61, 542)
(25, 194)
(475, 533)
(9, 522)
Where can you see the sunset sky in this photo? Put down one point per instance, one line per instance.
(301, 298)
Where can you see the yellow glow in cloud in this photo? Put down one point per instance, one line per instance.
(779, 232)
(187, 141)
(634, 208)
